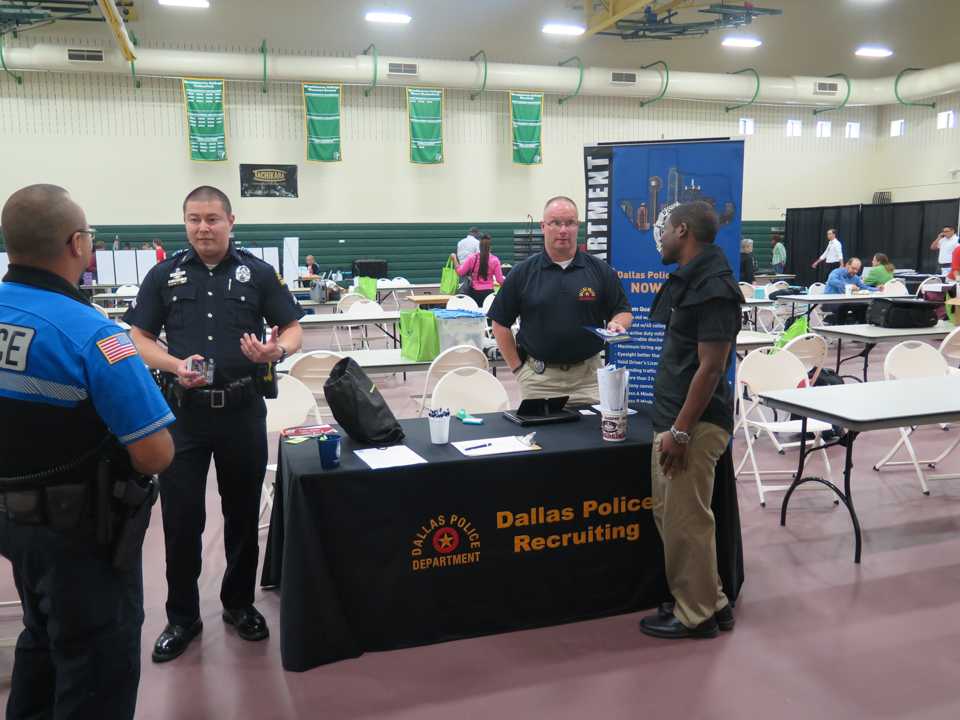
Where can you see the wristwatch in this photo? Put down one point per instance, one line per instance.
(679, 436)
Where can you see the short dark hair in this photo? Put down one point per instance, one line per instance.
(776, 238)
(557, 198)
(951, 227)
(475, 231)
(700, 218)
(206, 193)
(37, 221)
(833, 230)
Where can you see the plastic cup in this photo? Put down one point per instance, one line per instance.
(613, 425)
(440, 430)
(329, 451)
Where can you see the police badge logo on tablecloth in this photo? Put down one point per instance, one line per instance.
(436, 543)
(243, 274)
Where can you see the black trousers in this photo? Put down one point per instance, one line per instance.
(829, 268)
(237, 440)
(78, 655)
(479, 295)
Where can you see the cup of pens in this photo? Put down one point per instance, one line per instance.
(439, 426)
(329, 445)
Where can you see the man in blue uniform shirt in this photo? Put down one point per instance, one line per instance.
(212, 300)
(69, 380)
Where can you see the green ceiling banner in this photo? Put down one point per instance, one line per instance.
(425, 110)
(204, 104)
(526, 122)
(321, 109)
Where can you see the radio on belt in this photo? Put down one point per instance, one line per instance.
(204, 367)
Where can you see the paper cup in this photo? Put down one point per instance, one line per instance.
(613, 425)
(440, 430)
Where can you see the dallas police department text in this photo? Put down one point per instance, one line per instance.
(594, 512)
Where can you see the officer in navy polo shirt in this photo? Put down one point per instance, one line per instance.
(212, 300)
(555, 293)
(71, 386)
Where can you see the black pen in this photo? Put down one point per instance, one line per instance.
(477, 447)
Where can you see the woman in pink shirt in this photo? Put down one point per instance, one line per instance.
(483, 268)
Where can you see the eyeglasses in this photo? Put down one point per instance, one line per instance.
(557, 224)
(91, 232)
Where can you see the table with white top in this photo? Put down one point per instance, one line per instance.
(99, 298)
(754, 304)
(872, 335)
(812, 301)
(768, 278)
(860, 408)
(385, 290)
(748, 340)
(380, 361)
(381, 320)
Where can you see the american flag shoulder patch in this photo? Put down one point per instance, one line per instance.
(117, 347)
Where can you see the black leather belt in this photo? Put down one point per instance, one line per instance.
(235, 394)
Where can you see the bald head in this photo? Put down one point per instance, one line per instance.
(37, 221)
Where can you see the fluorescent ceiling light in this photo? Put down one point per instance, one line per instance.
(186, 3)
(741, 42)
(563, 29)
(388, 17)
(874, 51)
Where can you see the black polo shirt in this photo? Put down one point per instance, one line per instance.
(205, 312)
(554, 304)
(700, 302)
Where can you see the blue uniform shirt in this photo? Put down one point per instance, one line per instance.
(67, 376)
(838, 280)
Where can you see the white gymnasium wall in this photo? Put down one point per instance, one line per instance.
(917, 166)
(123, 152)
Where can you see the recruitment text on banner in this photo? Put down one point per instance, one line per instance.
(321, 110)
(526, 124)
(425, 110)
(203, 102)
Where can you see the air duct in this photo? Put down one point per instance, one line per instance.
(466, 75)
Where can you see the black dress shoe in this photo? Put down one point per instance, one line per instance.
(724, 616)
(250, 624)
(670, 628)
(174, 640)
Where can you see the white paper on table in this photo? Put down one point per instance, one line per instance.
(493, 446)
(630, 411)
(387, 457)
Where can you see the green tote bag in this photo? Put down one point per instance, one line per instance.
(367, 287)
(449, 280)
(419, 337)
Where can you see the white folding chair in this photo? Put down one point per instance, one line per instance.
(127, 291)
(487, 302)
(357, 308)
(764, 370)
(470, 389)
(934, 280)
(313, 369)
(950, 349)
(895, 287)
(914, 359)
(816, 316)
(101, 310)
(458, 356)
(397, 282)
(462, 302)
(293, 406)
(348, 300)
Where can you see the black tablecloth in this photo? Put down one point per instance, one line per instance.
(376, 560)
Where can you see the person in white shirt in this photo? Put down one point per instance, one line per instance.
(946, 243)
(832, 257)
(468, 246)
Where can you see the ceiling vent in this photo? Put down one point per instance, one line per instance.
(405, 69)
(623, 78)
(826, 87)
(84, 55)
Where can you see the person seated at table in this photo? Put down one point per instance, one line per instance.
(313, 269)
(747, 265)
(880, 272)
(837, 281)
(483, 267)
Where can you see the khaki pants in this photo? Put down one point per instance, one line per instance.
(681, 509)
(579, 381)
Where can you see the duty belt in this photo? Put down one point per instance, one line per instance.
(234, 394)
(540, 366)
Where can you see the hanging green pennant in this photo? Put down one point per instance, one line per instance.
(425, 110)
(204, 104)
(321, 109)
(526, 122)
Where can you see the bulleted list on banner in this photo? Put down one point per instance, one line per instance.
(204, 104)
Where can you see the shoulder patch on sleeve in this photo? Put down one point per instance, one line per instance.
(117, 347)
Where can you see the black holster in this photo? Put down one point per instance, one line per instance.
(124, 501)
(265, 380)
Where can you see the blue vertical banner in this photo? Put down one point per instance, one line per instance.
(631, 190)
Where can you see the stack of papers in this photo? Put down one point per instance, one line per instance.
(388, 457)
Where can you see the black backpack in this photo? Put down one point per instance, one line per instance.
(359, 407)
(902, 313)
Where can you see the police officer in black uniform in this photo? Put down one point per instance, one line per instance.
(555, 293)
(75, 401)
(211, 300)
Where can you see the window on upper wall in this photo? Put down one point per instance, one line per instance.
(824, 128)
(746, 126)
(946, 120)
(794, 128)
(898, 128)
(853, 130)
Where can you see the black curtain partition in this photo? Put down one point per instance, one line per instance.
(903, 231)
